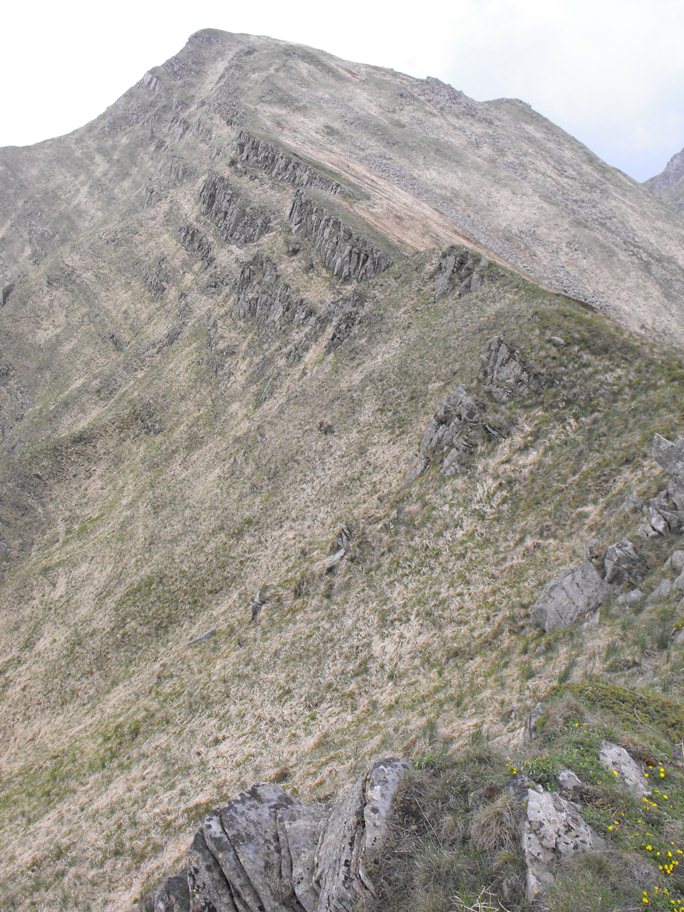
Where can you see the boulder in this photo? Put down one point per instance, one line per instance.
(553, 831)
(571, 596)
(623, 564)
(624, 767)
(267, 852)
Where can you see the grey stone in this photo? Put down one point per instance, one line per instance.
(553, 831)
(633, 597)
(623, 564)
(536, 713)
(173, 895)
(262, 295)
(676, 561)
(624, 767)
(334, 559)
(503, 371)
(557, 341)
(345, 314)
(266, 852)
(670, 456)
(459, 268)
(660, 593)
(346, 254)
(679, 582)
(569, 782)
(573, 595)
(4, 551)
(192, 240)
(456, 429)
(282, 165)
(236, 221)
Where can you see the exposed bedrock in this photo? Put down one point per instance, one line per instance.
(262, 295)
(236, 221)
(267, 852)
(346, 254)
(282, 165)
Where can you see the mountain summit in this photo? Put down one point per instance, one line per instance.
(340, 451)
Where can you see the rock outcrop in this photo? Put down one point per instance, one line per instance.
(262, 295)
(504, 373)
(623, 563)
(282, 165)
(554, 830)
(456, 429)
(459, 268)
(236, 221)
(670, 456)
(576, 593)
(192, 240)
(267, 852)
(345, 253)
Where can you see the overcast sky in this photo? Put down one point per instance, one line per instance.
(611, 72)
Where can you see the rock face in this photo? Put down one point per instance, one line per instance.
(554, 830)
(236, 221)
(346, 254)
(458, 426)
(574, 594)
(503, 372)
(267, 852)
(263, 296)
(459, 268)
(282, 165)
(624, 767)
(192, 240)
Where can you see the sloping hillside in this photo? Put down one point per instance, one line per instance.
(285, 463)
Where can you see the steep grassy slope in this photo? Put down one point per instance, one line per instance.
(194, 407)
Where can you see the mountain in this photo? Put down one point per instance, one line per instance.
(340, 419)
(669, 185)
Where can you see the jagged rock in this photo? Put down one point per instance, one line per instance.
(458, 426)
(284, 166)
(553, 831)
(346, 314)
(267, 852)
(679, 582)
(461, 268)
(174, 895)
(346, 254)
(623, 564)
(192, 240)
(326, 428)
(236, 221)
(503, 372)
(661, 516)
(262, 295)
(624, 767)
(670, 456)
(574, 594)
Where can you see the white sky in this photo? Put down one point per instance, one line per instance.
(611, 72)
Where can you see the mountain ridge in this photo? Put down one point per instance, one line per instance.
(290, 472)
